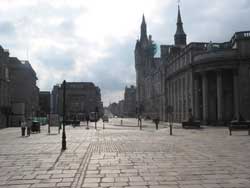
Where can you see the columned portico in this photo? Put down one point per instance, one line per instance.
(196, 97)
(216, 97)
(219, 96)
(236, 94)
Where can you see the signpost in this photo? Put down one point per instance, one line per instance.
(64, 114)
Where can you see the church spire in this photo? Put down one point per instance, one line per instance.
(143, 29)
(180, 36)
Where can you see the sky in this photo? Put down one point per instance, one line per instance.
(94, 40)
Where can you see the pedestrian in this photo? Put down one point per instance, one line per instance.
(139, 120)
(156, 120)
(29, 126)
(22, 125)
(87, 119)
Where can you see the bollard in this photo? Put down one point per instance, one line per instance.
(23, 131)
(103, 125)
(170, 126)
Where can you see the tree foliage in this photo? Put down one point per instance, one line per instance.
(152, 49)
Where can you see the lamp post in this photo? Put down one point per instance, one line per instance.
(64, 110)
(96, 113)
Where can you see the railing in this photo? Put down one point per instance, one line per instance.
(240, 35)
(225, 54)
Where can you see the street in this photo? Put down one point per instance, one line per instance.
(125, 156)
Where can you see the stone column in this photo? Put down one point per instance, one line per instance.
(196, 98)
(219, 96)
(236, 93)
(205, 97)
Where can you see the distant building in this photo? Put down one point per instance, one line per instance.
(54, 99)
(130, 102)
(81, 98)
(114, 109)
(120, 108)
(5, 107)
(44, 103)
(210, 80)
(24, 92)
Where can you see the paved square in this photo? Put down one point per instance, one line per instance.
(123, 156)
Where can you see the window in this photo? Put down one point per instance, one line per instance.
(6, 74)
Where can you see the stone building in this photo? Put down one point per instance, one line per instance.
(114, 109)
(24, 93)
(81, 98)
(211, 80)
(148, 76)
(130, 101)
(5, 107)
(117, 109)
(44, 103)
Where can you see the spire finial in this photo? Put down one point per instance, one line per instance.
(180, 36)
(143, 29)
(143, 18)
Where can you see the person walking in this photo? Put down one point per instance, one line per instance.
(87, 119)
(22, 125)
(29, 126)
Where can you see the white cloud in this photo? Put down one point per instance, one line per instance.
(97, 36)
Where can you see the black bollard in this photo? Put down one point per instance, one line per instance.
(171, 133)
(23, 131)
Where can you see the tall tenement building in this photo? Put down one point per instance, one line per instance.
(81, 98)
(5, 107)
(19, 94)
(24, 93)
(211, 80)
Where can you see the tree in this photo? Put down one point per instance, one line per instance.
(151, 49)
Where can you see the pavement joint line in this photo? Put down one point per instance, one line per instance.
(81, 172)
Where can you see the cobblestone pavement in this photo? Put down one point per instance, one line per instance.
(124, 156)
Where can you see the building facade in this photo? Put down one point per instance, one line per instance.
(44, 103)
(81, 98)
(148, 76)
(5, 107)
(24, 93)
(210, 80)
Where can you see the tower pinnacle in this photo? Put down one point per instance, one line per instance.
(143, 29)
(180, 36)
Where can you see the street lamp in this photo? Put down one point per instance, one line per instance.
(96, 113)
(64, 113)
